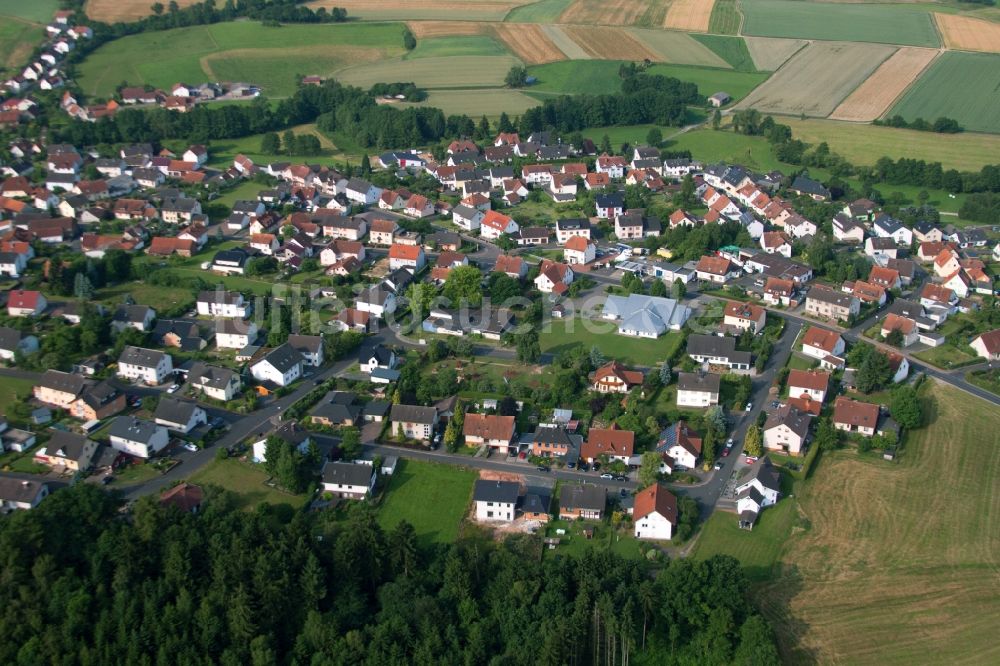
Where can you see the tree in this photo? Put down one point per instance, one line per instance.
(649, 469)
(827, 438)
(516, 77)
(366, 165)
(874, 373)
(665, 373)
(157, 8)
(409, 41)
(708, 449)
(505, 242)
(716, 119)
(658, 288)
(654, 137)
(502, 288)
(596, 357)
(905, 408)
(288, 141)
(453, 432)
(678, 290)
(756, 646)
(606, 144)
(752, 443)
(82, 288)
(895, 338)
(464, 286)
(528, 349)
(350, 444)
(270, 143)
(715, 419)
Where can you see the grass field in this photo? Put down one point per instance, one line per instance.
(885, 24)
(11, 388)
(36, 11)
(390, 10)
(963, 86)
(725, 19)
(475, 103)
(158, 298)
(247, 481)
(434, 73)
(711, 81)
(17, 40)
(898, 564)
(770, 53)
(731, 49)
(461, 45)
(245, 49)
(818, 78)
(864, 144)
(543, 11)
(676, 47)
(757, 550)
(432, 497)
(564, 334)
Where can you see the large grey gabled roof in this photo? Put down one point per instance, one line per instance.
(505, 492)
(145, 358)
(282, 358)
(133, 429)
(174, 411)
(650, 314)
(349, 474)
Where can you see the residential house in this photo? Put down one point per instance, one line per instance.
(865, 292)
(553, 278)
(881, 246)
(757, 487)
(362, 192)
(219, 303)
(614, 443)
(514, 267)
(495, 224)
(336, 408)
(582, 500)
(550, 441)
(886, 226)
(377, 301)
(234, 333)
(376, 356)
(289, 432)
(716, 269)
(744, 316)
(281, 366)
(613, 377)
(609, 206)
(58, 389)
(579, 250)
(137, 437)
(612, 165)
(825, 302)
(180, 333)
(855, 417)
(567, 228)
(886, 278)
(644, 316)
(413, 422)
(146, 365)
(14, 342)
(347, 480)
(821, 343)
(697, 389)
(98, 402)
(381, 231)
(907, 328)
(217, 383)
(847, 230)
(806, 186)
(681, 444)
(139, 317)
(181, 416)
(715, 350)
(987, 345)
(25, 303)
(406, 256)
(230, 262)
(467, 217)
(17, 493)
(495, 500)
(67, 450)
(778, 291)
(786, 430)
(776, 242)
(925, 232)
(654, 513)
(493, 431)
(808, 383)
(309, 347)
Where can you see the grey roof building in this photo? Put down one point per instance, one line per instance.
(487, 490)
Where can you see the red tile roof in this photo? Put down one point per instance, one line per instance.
(655, 499)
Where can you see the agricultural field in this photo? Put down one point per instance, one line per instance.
(969, 34)
(726, 18)
(903, 24)
(529, 42)
(112, 11)
(615, 12)
(693, 15)
(731, 49)
(894, 562)
(463, 45)
(572, 50)
(432, 497)
(36, 11)
(770, 53)
(543, 11)
(963, 86)
(415, 10)
(676, 47)
(196, 52)
(818, 78)
(475, 103)
(711, 81)
(871, 99)
(434, 73)
(18, 40)
(431, 29)
(605, 43)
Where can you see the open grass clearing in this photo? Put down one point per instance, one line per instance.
(36, 11)
(864, 144)
(676, 47)
(113, 11)
(460, 45)
(443, 10)
(529, 42)
(161, 299)
(573, 77)
(710, 80)
(818, 78)
(880, 90)
(968, 34)
(247, 481)
(770, 53)
(436, 72)
(963, 86)
(565, 334)
(432, 497)
(884, 24)
(726, 18)
(18, 40)
(731, 49)
(475, 103)
(947, 356)
(543, 11)
(11, 388)
(692, 15)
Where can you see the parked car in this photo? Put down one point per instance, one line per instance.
(571, 465)
(522, 455)
(751, 460)
(725, 452)
(729, 443)
(718, 466)
(218, 422)
(190, 447)
(607, 475)
(106, 479)
(749, 407)
(621, 478)
(543, 468)
(174, 388)
(623, 492)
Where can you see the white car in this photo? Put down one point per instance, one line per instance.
(190, 447)
(749, 407)
(174, 388)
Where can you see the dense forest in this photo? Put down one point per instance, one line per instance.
(85, 584)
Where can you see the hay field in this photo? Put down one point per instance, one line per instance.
(112, 11)
(543, 11)
(968, 34)
(770, 53)
(864, 144)
(871, 99)
(467, 45)
(431, 29)
(446, 72)
(476, 103)
(606, 43)
(676, 47)
(903, 24)
(692, 15)
(610, 12)
(816, 80)
(960, 85)
(18, 40)
(572, 50)
(406, 10)
(898, 563)
(529, 42)
(36, 11)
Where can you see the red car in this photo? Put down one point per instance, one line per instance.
(725, 453)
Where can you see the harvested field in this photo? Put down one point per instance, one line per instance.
(405, 10)
(572, 50)
(607, 12)
(818, 78)
(447, 72)
(770, 53)
(543, 11)
(969, 34)
(960, 85)
(431, 29)
(529, 42)
(690, 15)
(676, 47)
(609, 43)
(873, 97)
(112, 11)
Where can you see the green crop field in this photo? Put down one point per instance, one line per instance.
(725, 19)
(543, 11)
(17, 41)
(475, 103)
(678, 47)
(431, 496)
(36, 11)
(464, 45)
(886, 24)
(731, 49)
(461, 72)
(963, 86)
(248, 50)
(864, 144)
(710, 80)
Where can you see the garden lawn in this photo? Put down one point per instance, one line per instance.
(947, 356)
(11, 388)
(432, 497)
(247, 481)
(758, 550)
(575, 544)
(564, 334)
(985, 379)
(161, 299)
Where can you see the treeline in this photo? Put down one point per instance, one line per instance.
(904, 171)
(274, 586)
(942, 125)
(408, 89)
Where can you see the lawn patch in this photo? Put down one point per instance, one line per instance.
(12, 388)
(710, 80)
(757, 550)
(565, 334)
(17, 41)
(437, 72)
(432, 497)
(36, 11)
(247, 481)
